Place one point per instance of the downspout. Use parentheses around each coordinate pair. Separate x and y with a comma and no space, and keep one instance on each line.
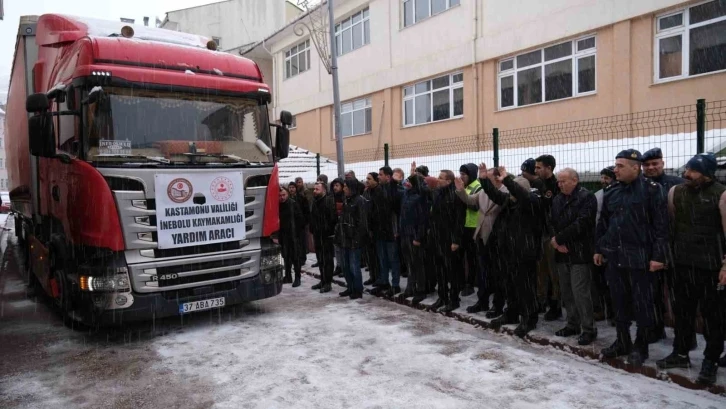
(477,114)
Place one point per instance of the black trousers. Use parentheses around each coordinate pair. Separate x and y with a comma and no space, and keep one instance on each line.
(430,266)
(413,256)
(600,291)
(325,253)
(521,289)
(694,287)
(632,294)
(490,279)
(470,254)
(371,258)
(290,261)
(449,274)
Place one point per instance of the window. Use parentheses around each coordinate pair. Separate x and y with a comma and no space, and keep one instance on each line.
(293,125)
(353,32)
(417,10)
(297,59)
(217,40)
(548,74)
(355,117)
(691,41)
(434,100)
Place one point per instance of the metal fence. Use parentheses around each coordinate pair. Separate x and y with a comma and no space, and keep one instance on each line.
(585,145)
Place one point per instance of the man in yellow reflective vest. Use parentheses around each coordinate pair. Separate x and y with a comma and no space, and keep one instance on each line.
(468,174)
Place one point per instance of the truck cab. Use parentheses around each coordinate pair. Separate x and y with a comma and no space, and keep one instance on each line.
(143,170)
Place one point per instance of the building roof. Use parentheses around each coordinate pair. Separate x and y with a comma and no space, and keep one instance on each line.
(218,2)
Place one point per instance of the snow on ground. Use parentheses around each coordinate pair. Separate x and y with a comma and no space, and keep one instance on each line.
(307,350)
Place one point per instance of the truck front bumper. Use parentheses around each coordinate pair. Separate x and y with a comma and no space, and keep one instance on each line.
(147,307)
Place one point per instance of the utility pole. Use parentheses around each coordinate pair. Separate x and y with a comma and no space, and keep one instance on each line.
(336,92)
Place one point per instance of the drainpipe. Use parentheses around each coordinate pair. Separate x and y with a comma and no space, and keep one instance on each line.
(473,65)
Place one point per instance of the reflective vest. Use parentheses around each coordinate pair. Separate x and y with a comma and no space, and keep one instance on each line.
(472,215)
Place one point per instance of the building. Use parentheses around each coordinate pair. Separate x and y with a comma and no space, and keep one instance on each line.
(416,70)
(3,170)
(233,24)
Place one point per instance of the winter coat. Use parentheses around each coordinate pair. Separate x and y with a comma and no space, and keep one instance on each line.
(668,181)
(292,223)
(323,218)
(474,187)
(518,229)
(633,226)
(302,200)
(414,219)
(488,211)
(353,223)
(448,213)
(380,222)
(339,197)
(573,223)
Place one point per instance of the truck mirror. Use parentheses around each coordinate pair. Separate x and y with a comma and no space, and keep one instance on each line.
(282,142)
(37,103)
(41,136)
(286,118)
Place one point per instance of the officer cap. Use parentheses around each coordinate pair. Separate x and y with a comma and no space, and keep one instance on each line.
(528,166)
(654,153)
(632,154)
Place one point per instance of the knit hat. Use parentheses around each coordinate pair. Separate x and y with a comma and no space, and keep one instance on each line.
(704,163)
(609,172)
(528,166)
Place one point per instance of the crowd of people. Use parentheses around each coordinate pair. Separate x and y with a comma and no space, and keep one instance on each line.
(538,243)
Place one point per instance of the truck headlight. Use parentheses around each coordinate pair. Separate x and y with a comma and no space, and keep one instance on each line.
(270,261)
(113,282)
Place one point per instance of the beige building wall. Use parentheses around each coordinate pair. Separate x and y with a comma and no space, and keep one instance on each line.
(625,70)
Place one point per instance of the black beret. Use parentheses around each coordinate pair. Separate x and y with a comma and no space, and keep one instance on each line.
(632,154)
(654,153)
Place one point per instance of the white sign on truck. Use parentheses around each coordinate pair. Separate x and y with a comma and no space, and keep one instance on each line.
(218,217)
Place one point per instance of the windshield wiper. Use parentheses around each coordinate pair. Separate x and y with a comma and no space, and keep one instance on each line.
(156,159)
(220,156)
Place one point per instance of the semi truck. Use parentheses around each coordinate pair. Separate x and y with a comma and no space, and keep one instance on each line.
(143,176)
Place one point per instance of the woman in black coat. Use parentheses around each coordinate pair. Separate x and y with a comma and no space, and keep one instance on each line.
(291,224)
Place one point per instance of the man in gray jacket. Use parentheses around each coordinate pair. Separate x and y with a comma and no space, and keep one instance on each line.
(487,278)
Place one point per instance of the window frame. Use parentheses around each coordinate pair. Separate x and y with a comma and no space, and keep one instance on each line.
(682,30)
(288,56)
(575,57)
(218,41)
(293,124)
(430,13)
(452,87)
(368,104)
(365,17)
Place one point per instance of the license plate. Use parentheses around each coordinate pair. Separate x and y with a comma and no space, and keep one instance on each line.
(201,305)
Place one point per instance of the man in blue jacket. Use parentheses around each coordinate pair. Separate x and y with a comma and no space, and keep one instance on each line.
(412,226)
(632,235)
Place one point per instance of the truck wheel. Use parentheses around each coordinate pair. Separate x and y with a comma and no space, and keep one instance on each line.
(63,302)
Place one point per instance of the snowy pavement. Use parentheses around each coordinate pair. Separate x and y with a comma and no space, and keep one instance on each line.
(300,349)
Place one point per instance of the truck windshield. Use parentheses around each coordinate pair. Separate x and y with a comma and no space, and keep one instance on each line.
(132,126)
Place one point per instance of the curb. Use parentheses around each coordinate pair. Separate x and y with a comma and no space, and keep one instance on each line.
(583,352)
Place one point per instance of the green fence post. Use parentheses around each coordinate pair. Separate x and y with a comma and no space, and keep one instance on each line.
(495,143)
(317,163)
(386,154)
(700,126)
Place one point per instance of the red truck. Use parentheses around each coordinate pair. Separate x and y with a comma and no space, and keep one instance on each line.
(142,172)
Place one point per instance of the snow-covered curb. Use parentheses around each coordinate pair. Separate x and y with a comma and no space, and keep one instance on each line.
(587,352)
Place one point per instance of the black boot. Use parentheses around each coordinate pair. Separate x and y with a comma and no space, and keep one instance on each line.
(524,327)
(417,299)
(391,292)
(478,307)
(316,264)
(555,311)
(453,305)
(317,286)
(622,346)
(370,281)
(674,360)
(380,290)
(438,304)
(345,293)
(640,348)
(326,288)
(504,319)
(493,313)
(287,279)
(709,372)
(296,283)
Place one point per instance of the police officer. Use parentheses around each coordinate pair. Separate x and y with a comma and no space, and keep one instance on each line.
(653,169)
(632,234)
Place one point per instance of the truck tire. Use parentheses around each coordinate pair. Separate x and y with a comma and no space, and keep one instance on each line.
(64,302)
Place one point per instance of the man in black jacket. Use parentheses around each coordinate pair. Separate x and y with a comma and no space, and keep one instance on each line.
(518,229)
(573,224)
(322,225)
(549,283)
(446,229)
(632,235)
(353,232)
(386,246)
